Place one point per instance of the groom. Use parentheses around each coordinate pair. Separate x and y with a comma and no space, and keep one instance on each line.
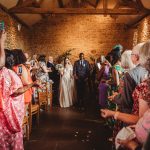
(81,73)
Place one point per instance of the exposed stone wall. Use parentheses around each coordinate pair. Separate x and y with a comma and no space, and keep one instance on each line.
(15,38)
(142,33)
(92,34)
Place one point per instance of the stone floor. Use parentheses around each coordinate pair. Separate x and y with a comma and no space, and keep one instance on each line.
(69,129)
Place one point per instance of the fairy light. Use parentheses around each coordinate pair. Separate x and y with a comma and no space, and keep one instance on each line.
(145,30)
(135,37)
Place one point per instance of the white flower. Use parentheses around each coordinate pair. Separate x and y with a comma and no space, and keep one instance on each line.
(59,67)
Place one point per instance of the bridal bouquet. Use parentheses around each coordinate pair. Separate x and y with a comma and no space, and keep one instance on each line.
(59,67)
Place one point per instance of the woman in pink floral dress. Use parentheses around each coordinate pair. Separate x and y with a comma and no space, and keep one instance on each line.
(11,108)
(11,102)
(11,111)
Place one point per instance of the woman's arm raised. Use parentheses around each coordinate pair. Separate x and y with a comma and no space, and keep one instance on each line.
(2,53)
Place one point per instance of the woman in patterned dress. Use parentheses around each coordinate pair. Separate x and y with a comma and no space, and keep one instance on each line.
(11,102)
(42,72)
(103,77)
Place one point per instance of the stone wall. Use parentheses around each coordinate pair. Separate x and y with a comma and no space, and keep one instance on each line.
(15,38)
(142,33)
(92,34)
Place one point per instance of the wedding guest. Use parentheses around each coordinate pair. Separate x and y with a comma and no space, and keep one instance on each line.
(103,77)
(27,63)
(98,65)
(23,72)
(11,102)
(54,76)
(131,79)
(117,72)
(27,56)
(142,134)
(114,54)
(34,62)
(141,106)
(50,65)
(92,80)
(81,73)
(34,67)
(42,73)
(125,64)
(141,90)
(126,61)
(141,94)
(113,67)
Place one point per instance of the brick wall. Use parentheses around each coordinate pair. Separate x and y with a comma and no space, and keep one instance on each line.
(91,34)
(142,33)
(15,38)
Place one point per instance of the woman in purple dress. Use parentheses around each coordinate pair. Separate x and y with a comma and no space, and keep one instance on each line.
(103,77)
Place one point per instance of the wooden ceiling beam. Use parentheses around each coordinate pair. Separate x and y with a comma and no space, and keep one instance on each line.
(75,3)
(28,3)
(91,4)
(25,3)
(141,7)
(14,16)
(97,1)
(129,4)
(33,10)
(118,3)
(140,18)
(61,4)
(20,2)
(98,4)
(105,7)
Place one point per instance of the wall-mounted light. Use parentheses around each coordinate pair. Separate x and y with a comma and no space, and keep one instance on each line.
(37,1)
(19,27)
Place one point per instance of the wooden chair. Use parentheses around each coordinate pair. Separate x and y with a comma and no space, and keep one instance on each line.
(26,126)
(50,96)
(42,97)
(34,109)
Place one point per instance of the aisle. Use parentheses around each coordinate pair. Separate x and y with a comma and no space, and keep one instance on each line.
(69,129)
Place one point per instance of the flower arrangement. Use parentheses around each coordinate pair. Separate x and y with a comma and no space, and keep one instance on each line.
(59,67)
(64,55)
(92,58)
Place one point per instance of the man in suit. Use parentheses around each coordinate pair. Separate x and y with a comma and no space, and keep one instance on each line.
(55,78)
(81,73)
(50,64)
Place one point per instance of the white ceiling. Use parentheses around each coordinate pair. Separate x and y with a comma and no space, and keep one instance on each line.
(31,19)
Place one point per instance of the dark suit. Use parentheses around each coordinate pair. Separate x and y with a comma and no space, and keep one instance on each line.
(81,71)
(54,75)
(51,74)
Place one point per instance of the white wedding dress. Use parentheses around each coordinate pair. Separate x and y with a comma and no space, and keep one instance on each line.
(67,88)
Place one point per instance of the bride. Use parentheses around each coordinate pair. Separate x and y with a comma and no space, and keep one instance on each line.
(67,85)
